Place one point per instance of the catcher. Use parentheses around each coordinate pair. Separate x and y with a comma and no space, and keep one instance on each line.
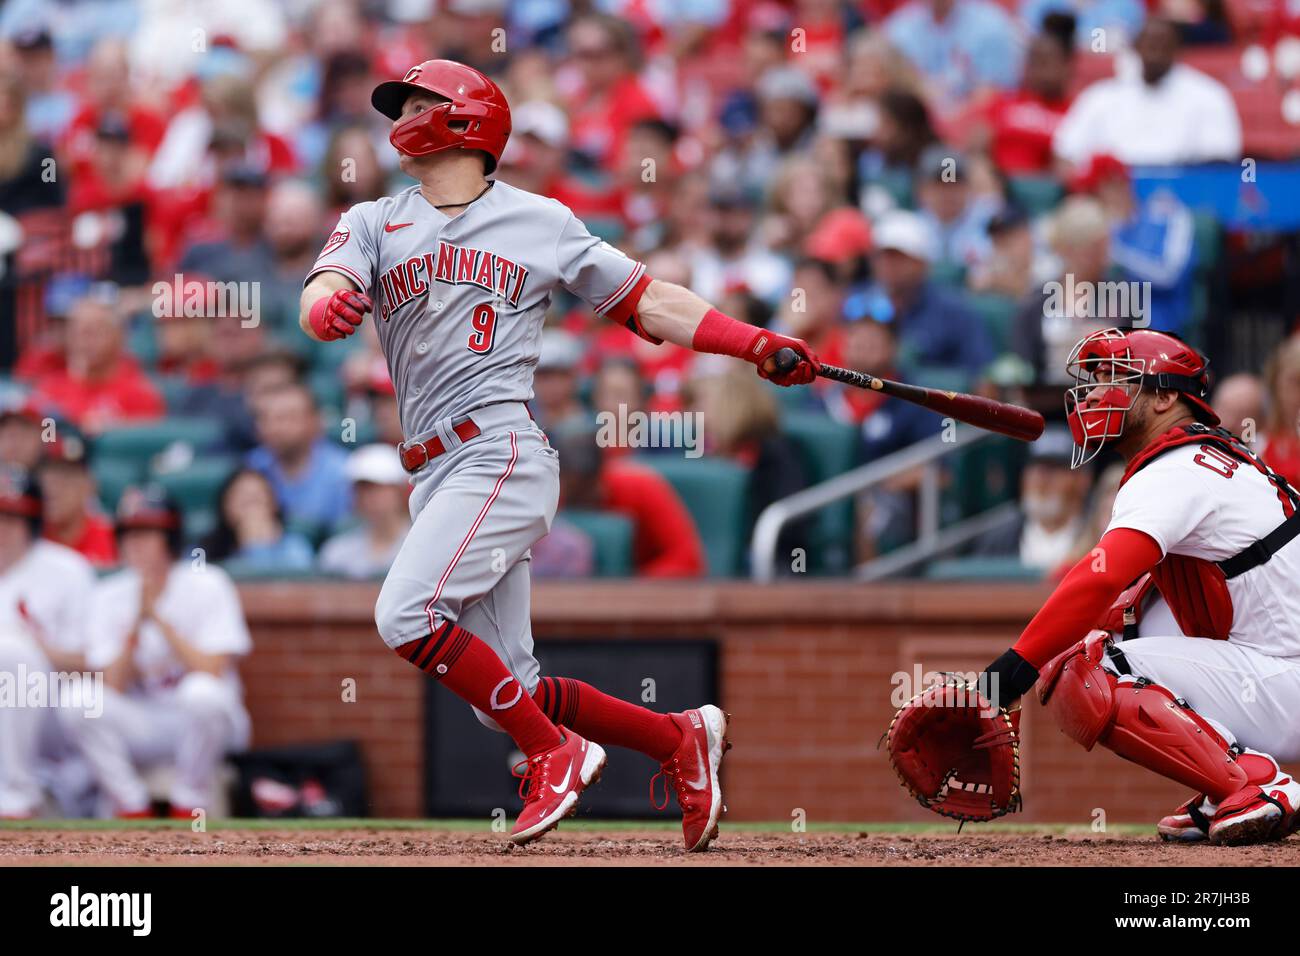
(1193,667)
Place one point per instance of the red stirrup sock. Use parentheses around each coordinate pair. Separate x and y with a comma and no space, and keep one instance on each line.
(472,671)
(605,719)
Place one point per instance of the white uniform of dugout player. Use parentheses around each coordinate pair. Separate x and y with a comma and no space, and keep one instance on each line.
(459,272)
(44,594)
(1204,534)
(166,633)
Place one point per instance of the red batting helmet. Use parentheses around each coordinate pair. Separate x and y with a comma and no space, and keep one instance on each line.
(1112,366)
(475,116)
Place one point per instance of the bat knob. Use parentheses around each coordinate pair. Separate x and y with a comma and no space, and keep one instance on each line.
(785,360)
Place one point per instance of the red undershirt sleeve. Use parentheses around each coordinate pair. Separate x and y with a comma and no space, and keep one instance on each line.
(1086,593)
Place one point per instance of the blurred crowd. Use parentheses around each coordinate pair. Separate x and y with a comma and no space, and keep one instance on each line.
(905,185)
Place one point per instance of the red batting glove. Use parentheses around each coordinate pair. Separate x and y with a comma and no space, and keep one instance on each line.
(723,335)
(337,316)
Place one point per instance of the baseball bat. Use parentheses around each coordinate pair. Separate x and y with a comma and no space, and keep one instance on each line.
(1002,417)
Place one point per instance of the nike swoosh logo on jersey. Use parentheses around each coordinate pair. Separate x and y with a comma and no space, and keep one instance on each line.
(564,784)
(704,771)
(394,226)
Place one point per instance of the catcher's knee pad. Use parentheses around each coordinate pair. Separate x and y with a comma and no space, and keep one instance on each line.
(1140,721)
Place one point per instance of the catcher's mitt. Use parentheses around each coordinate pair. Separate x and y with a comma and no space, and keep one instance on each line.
(956,753)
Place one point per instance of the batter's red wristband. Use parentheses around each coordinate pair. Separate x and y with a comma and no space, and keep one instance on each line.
(316,318)
(723,335)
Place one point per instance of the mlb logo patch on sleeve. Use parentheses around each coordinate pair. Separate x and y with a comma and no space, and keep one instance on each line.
(338,238)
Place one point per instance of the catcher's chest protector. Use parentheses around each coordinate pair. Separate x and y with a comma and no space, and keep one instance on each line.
(1195,589)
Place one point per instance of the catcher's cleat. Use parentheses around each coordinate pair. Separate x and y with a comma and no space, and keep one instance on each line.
(693,773)
(1258,814)
(550,784)
(1190,823)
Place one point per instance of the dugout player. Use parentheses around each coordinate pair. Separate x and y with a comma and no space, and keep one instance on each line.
(458,272)
(44,593)
(166,632)
(1207,690)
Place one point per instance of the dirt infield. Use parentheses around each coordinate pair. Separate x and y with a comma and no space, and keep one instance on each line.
(590,845)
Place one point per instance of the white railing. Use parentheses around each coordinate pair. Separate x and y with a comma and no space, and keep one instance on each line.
(931,540)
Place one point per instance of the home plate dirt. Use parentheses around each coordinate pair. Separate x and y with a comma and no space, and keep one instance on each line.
(738,847)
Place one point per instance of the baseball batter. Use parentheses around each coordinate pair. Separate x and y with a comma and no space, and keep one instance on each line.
(458,272)
(1207,690)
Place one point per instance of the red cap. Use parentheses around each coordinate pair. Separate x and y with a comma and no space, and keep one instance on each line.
(1100,168)
(842,234)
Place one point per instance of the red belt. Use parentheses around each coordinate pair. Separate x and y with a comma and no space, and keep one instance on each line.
(417,454)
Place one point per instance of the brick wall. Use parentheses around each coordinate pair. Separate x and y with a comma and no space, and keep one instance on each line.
(806,670)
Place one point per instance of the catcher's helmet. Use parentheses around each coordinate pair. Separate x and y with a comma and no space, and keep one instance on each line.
(20,497)
(150,508)
(1097,404)
(475,116)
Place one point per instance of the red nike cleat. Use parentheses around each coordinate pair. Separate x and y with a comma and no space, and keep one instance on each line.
(693,773)
(553,781)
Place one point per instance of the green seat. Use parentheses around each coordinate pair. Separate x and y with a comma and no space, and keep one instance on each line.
(141,340)
(327,385)
(982,568)
(942,377)
(142,442)
(997,313)
(113,476)
(949,274)
(986,475)
(172,388)
(240,571)
(716,493)
(611,537)
(829,448)
(1035,194)
(1208,242)
(195,488)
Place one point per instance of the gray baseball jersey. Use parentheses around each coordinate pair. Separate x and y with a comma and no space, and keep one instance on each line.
(460,301)
(459,304)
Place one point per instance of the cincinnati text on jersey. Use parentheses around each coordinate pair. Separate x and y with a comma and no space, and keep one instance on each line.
(454,265)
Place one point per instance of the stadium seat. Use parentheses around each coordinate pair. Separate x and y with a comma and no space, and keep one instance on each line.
(142,442)
(172,388)
(327,385)
(611,538)
(716,492)
(997,313)
(941,376)
(195,488)
(113,476)
(982,568)
(829,448)
(985,475)
(1035,194)
(949,274)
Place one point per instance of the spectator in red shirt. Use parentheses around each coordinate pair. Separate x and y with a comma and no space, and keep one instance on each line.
(665,542)
(70,506)
(1017,126)
(102,385)
(109,95)
(609,98)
